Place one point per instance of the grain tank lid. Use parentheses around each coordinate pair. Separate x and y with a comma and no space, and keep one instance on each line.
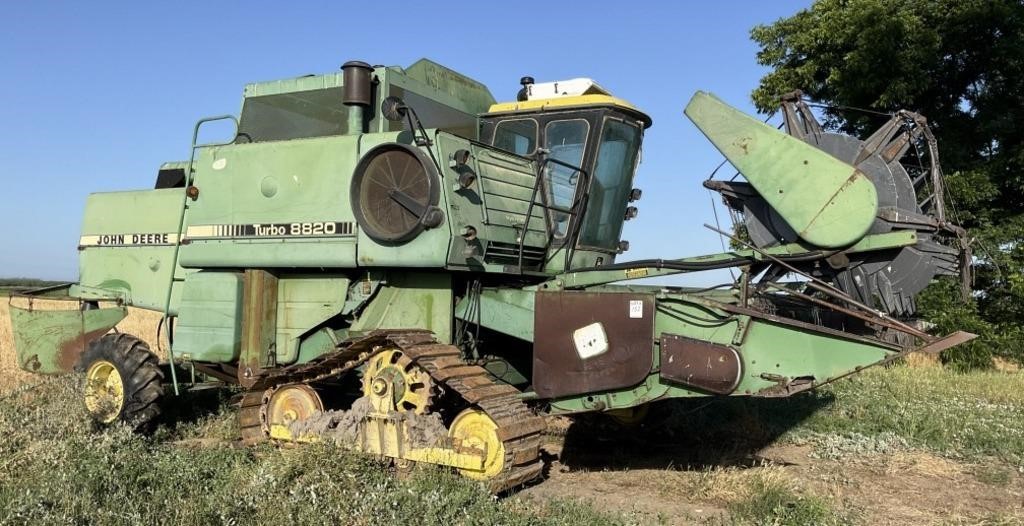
(292,85)
(448,86)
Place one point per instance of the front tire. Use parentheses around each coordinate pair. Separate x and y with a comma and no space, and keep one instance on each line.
(123,382)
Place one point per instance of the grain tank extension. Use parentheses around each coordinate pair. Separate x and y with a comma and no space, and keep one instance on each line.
(393,247)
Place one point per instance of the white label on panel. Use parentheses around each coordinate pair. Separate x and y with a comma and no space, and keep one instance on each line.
(590,340)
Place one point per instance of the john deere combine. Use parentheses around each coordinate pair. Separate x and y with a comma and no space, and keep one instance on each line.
(389,258)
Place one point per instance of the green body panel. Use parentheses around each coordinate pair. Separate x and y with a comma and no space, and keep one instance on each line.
(826,201)
(318,343)
(281,182)
(302,303)
(428,249)
(127,244)
(411,300)
(508,311)
(209,327)
(445,85)
(51,341)
(494,206)
(210,324)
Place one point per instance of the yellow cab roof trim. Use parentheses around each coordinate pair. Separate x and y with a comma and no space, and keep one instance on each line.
(557,103)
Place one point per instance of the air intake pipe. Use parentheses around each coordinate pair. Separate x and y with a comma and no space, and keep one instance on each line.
(357,94)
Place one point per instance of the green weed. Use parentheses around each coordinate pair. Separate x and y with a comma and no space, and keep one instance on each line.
(55,467)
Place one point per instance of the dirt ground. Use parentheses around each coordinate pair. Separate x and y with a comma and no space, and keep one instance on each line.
(911,487)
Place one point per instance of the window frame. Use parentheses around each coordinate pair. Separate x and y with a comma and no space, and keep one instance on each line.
(548,198)
(536,135)
(632,177)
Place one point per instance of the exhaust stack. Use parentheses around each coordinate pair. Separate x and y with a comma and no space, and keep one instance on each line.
(358,93)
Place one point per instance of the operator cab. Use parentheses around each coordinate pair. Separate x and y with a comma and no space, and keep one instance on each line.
(592,142)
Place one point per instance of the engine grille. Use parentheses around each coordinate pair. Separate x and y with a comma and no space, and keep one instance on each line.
(508,254)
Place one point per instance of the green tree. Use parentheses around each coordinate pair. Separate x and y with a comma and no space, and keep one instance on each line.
(961,64)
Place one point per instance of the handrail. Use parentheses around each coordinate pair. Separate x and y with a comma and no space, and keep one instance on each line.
(538,181)
(165,321)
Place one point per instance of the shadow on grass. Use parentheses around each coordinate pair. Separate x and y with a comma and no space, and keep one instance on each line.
(693,434)
(193,406)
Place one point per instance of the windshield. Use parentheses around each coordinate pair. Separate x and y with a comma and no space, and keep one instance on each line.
(612,181)
(566,140)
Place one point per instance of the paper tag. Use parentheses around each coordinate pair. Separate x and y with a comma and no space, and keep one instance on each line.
(636,308)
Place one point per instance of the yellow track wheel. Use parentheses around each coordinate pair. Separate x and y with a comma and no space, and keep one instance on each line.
(476,430)
(104,391)
(391,371)
(289,404)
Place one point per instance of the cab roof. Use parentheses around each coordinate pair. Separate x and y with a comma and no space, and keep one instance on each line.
(565,94)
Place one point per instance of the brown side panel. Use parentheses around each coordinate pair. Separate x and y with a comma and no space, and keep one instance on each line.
(695,363)
(628,323)
(259,325)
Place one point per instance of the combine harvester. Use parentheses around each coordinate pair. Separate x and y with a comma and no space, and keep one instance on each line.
(389,258)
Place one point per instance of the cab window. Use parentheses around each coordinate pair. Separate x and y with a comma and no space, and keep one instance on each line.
(612,181)
(518,136)
(566,140)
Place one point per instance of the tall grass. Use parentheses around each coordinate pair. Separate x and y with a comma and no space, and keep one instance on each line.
(55,468)
(959,414)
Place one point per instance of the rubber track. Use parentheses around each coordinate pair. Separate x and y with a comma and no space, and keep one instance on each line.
(249,417)
(518,428)
(251,411)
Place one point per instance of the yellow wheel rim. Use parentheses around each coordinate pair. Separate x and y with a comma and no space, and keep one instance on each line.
(291,403)
(411,386)
(477,431)
(104,391)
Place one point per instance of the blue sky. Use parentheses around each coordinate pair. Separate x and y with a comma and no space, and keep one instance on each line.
(95,95)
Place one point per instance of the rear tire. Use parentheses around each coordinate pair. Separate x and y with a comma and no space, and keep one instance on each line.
(123,382)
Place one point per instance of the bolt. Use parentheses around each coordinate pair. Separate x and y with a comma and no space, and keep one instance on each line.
(379,386)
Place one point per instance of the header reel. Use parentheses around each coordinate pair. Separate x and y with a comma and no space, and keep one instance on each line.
(901,160)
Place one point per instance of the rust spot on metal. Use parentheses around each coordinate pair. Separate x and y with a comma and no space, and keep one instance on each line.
(259,326)
(787,387)
(952,340)
(743,143)
(70,352)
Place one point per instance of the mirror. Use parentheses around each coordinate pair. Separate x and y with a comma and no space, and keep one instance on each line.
(393,109)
